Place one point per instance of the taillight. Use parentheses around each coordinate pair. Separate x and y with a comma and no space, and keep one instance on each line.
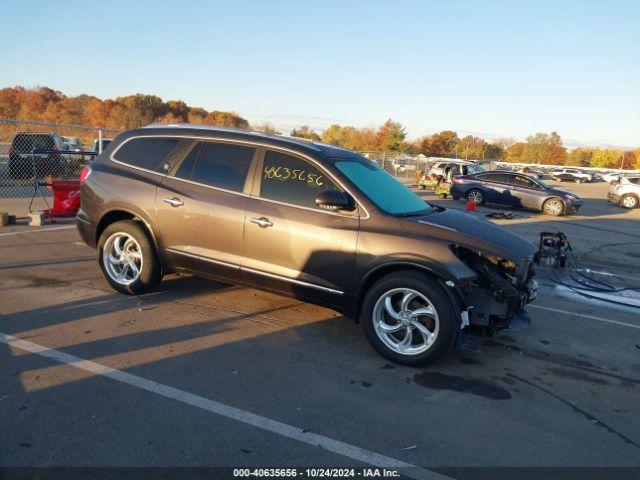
(11,151)
(86,170)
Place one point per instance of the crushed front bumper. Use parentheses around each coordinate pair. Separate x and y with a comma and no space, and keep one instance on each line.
(498,303)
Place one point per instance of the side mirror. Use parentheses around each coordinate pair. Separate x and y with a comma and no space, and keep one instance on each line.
(334,200)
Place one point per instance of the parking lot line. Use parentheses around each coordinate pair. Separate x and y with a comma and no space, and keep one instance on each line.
(336,446)
(40,230)
(584,315)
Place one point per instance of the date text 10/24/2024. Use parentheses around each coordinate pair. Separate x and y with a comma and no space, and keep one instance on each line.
(315,473)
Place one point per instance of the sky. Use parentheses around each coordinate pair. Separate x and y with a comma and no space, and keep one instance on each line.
(489,68)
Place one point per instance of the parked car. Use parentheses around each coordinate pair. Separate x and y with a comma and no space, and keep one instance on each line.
(313,221)
(25,163)
(610,176)
(534,172)
(625,192)
(75,144)
(438,168)
(105,144)
(514,190)
(571,175)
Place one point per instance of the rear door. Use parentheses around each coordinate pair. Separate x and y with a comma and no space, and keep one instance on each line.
(291,245)
(496,186)
(201,208)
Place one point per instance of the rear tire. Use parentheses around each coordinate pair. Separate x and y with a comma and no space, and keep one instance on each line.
(476,196)
(128,259)
(404,302)
(629,201)
(553,206)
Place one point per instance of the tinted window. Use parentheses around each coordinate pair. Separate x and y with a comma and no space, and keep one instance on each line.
(495,177)
(520,181)
(634,180)
(146,152)
(26,143)
(224,166)
(185,170)
(289,179)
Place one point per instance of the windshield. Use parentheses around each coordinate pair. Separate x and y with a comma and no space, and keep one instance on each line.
(540,182)
(382,189)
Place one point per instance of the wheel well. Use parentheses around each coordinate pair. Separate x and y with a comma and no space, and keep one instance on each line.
(383,271)
(111,217)
(631,194)
(564,204)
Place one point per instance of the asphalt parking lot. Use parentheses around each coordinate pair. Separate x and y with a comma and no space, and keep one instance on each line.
(203,374)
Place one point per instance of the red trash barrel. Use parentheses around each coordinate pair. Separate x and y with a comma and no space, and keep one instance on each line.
(66,198)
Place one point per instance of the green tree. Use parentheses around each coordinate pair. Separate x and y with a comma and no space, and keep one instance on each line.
(391,136)
(535,148)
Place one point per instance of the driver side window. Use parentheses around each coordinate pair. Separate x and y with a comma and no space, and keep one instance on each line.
(292,180)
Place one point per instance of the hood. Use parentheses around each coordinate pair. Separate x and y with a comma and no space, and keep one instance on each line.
(561,191)
(474,233)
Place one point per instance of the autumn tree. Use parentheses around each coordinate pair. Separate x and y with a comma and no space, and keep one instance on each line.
(228,119)
(441,144)
(515,152)
(604,158)
(305,131)
(471,147)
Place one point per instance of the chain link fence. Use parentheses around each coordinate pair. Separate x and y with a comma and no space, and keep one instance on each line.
(32,152)
(402,165)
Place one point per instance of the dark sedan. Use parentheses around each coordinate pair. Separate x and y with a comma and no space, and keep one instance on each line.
(515,190)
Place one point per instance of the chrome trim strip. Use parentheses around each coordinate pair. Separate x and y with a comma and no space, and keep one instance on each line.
(250,143)
(437,226)
(292,280)
(200,257)
(258,272)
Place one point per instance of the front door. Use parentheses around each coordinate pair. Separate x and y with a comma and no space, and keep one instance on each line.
(291,245)
(201,208)
(527,191)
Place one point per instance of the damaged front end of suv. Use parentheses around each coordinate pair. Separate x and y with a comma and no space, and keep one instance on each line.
(493,268)
(495,299)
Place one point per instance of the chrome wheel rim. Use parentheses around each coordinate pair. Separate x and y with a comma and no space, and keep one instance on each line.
(122,258)
(629,202)
(406,321)
(475,196)
(554,207)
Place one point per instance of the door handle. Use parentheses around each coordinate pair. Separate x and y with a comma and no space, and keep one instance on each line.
(174,202)
(262,222)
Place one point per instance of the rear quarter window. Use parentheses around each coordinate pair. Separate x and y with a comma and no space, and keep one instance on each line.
(145,152)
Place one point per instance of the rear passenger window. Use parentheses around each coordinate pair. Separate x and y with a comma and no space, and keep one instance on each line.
(495,177)
(289,179)
(146,152)
(222,165)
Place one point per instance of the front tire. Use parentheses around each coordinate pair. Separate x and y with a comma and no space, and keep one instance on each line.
(553,206)
(409,319)
(629,201)
(128,259)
